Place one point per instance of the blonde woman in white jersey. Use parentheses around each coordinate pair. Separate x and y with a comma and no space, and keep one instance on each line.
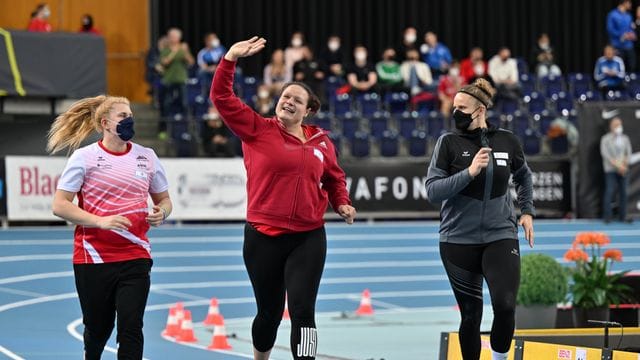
(112,256)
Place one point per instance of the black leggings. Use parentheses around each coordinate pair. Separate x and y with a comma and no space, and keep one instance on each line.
(499,264)
(108,289)
(291,263)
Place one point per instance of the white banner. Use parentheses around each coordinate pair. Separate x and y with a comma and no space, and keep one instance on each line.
(200,189)
(31,183)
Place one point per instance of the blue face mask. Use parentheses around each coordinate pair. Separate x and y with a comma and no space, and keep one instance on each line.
(125,129)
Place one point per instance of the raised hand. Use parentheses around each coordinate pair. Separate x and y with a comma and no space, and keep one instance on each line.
(479,162)
(245,48)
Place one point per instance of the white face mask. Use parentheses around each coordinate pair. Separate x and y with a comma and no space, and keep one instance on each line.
(263,94)
(618,130)
(333,45)
(46,12)
(478,69)
(215,42)
(454,72)
(296,42)
(360,56)
(410,38)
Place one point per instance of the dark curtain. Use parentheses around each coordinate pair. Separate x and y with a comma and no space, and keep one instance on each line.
(576,27)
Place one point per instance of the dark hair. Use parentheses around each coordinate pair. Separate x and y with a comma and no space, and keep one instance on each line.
(313,103)
(481,90)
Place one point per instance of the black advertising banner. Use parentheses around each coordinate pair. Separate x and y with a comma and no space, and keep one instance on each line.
(395,188)
(593,124)
(3,189)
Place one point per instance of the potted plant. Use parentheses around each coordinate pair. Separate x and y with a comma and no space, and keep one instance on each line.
(594,287)
(543,284)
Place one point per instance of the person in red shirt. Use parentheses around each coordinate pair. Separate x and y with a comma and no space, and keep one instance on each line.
(39,22)
(112,178)
(474,66)
(292,174)
(88,26)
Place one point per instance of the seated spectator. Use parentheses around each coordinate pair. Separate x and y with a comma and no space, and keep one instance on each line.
(503,69)
(609,71)
(409,37)
(208,59)
(39,19)
(388,71)
(275,73)
(309,71)
(542,59)
(332,57)
(435,54)
(87,25)
(294,52)
(217,139)
(474,66)
(448,88)
(264,102)
(415,74)
(361,75)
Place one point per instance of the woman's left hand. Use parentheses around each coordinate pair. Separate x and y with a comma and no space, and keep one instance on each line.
(526,221)
(347,212)
(156,218)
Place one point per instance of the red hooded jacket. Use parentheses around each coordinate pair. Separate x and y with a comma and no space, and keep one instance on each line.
(289,182)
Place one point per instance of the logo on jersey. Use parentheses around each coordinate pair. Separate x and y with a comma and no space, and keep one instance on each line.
(142,158)
(466,154)
(141,174)
(101,163)
(308,342)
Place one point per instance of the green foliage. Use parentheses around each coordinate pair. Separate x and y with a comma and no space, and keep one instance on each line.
(593,287)
(542,281)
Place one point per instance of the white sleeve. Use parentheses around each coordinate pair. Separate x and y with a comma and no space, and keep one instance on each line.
(159,181)
(72,176)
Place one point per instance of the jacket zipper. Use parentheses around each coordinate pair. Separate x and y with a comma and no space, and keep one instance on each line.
(488,179)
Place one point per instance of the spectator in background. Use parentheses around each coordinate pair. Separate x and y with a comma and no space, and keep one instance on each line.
(361,75)
(388,71)
(208,59)
(448,87)
(415,74)
(622,36)
(542,59)
(435,54)
(474,66)
(409,37)
(615,149)
(609,71)
(87,25)
(39,19)
(503,69)
(264,101)
(175,59)
(276,73)
(294,52)
(154,71)
(332,57)
(309,71)
(217,139)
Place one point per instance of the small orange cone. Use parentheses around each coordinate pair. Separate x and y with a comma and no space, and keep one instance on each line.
(186,329)
(213,316)
(285,314)
(365,307)
(173,326)
(219,340)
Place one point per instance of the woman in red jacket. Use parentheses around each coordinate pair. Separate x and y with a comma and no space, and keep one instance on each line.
(292,173)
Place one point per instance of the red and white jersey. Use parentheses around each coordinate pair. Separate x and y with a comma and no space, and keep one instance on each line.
(109,183)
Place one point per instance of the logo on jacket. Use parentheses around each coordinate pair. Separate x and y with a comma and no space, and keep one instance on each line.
(515,252)
(323,144)
(466,154)
(318,154)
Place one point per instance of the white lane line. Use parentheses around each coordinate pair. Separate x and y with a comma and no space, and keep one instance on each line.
(38,300)
(203,347)
(21,292)
(11,355)
(31,277)
(72,329)
(180,295)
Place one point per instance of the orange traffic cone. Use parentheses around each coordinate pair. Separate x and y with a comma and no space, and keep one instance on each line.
(219,340)
(173,326)
(285,314)
(365,307)
(213,316)
(186,329)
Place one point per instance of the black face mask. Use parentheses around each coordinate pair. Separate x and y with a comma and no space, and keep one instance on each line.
(125,129)
(462,119)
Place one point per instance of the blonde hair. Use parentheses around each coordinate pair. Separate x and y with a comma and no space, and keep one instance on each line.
(481,90)
(79,121)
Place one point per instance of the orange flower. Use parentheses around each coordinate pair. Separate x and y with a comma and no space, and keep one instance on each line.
(613,254)
(576,255)
(591,238)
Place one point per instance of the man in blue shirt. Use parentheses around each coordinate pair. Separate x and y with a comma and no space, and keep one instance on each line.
(622,36)
(609,71)
(435,54)
(208,59)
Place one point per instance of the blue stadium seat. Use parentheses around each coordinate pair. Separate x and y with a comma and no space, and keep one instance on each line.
(368,104)
(563,102)
(407,122)
(389,144)
(378,124)
(536,103)
(590,96)
(520,124)
(349,123)
(194,89)
(418,143)
(531,142)
(435,124)
(523,67)
(331,84)
(249,88)
(397,102)
(341,104)
(508,106)
(360,144)
(616,95)
(551,85)
(634,91)
(543,122)
(579,84)
(337,141)
(527,84)
(559,145)
(322,120)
